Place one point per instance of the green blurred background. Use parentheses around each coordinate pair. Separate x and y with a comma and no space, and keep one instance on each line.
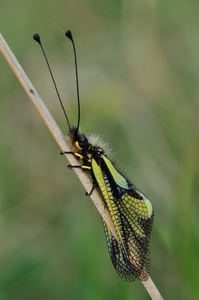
(139,84)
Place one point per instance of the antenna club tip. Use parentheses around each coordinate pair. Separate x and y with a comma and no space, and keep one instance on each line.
(36,37)
(68,34)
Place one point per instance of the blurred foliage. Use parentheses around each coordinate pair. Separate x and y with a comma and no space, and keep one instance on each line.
(139,84)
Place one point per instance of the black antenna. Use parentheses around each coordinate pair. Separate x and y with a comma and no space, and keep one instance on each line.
(68,34)
(36,37)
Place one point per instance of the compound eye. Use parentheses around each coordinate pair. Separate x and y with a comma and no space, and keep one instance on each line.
(82,140)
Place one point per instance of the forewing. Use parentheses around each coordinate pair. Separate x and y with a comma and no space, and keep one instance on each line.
(136,219)
(132,216)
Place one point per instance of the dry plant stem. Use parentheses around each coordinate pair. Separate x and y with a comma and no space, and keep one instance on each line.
(61,141)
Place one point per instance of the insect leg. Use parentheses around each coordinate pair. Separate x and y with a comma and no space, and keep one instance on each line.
(92,189)
(66,152)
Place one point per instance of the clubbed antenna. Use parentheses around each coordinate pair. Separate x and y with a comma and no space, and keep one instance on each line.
(70,37)
(36,37)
